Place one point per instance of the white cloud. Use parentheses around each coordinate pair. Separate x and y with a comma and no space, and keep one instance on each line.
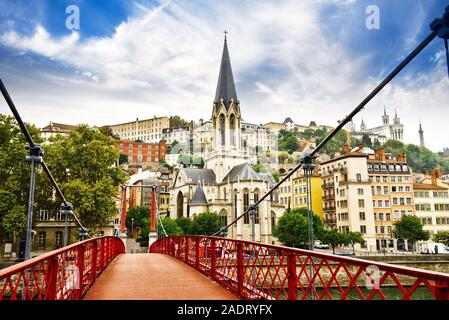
(165,60)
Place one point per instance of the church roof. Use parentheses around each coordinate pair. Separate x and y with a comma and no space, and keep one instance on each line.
(288,120)
(226,86)
(243,172)
(199,198)
(200,175)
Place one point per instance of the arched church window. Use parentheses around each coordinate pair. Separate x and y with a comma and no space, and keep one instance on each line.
(224,217)
(222,129)
(245,205)
(232,131)
(256,198)
(273,220)
(234,204)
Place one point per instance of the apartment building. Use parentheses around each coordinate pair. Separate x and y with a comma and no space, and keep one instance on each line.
(294,193)
(432,203)
(147,130)
(347,198)
(392,192)
(140,153)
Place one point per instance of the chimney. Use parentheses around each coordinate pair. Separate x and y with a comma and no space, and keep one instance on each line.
(346,148)
(380,154)
(401,157)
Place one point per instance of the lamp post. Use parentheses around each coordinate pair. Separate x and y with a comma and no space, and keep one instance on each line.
(132,227)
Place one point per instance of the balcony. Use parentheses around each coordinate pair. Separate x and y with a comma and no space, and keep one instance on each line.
(328,185)
(354,181)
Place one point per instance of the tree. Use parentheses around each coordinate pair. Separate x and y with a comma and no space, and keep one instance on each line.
(170,226)
(139,214)
(178,122)
(206,223)
(15,178)
(123,158)
(288,142)
(354,237)
(367,141)
(333,238)
(83,165)
(410,228)
(293,228)
(185,224)
(282,156)
(443,237)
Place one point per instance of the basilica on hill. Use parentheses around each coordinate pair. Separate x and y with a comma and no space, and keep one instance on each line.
(227,184)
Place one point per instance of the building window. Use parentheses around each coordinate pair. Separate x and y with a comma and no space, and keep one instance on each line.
(360,191)
(58,239)
(362,215)
(363,229)
(359,177)
(256,198)
(41,239)
(361,203)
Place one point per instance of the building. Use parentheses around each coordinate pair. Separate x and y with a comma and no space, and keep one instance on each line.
(227,184)
(421,135)
(171,135)
(141,153)
(387,131)
(53,129)
(147,130)
(288,124)
(347,198)
(392,192)
(432,203)
(293,192)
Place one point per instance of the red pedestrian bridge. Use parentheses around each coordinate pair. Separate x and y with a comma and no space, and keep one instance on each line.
(197,267)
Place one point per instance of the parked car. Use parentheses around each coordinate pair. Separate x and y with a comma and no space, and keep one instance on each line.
(320,245)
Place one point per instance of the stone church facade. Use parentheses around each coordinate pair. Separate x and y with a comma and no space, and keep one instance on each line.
(227,184)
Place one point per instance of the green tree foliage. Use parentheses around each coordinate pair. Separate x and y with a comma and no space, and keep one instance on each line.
(15,177)
(293,228)
(335,143)
(287,141)
(187,160)
(443,237)
(83,165)
(185,224)
(333,238)
(139,214)
(410,228)
(123,158)
(170,226)
(354,237)
(367,141)
(282,156)
(206,223)
(178,122)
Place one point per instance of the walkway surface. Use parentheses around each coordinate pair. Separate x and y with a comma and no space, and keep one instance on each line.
(151,276)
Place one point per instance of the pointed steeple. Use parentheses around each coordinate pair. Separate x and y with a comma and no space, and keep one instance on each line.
(421,135)
(385,110)
(226,86)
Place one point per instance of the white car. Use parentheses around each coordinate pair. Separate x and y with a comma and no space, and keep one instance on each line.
(320,245)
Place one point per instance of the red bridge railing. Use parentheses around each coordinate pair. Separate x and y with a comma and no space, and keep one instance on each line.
(259,271)
(63,274)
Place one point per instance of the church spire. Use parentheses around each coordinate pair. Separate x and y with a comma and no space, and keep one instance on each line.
(421,135)
(226,86)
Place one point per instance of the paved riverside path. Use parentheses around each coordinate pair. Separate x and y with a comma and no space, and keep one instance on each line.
(152,276)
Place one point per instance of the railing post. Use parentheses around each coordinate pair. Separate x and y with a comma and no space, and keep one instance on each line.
(197,253)
(240,273)
(186,250)
(213,260)
(93,267)
(51,279)
(79,291)
(101,255)
(178,240)
(442,289)
(292,276)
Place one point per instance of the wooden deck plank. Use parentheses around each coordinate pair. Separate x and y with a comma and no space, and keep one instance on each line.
(150,276)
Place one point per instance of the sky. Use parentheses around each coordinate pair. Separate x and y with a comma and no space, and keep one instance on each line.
(311,60)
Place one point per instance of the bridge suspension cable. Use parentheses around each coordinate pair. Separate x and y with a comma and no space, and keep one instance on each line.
(308,158)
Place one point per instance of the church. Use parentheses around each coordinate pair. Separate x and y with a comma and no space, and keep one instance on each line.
(227,184)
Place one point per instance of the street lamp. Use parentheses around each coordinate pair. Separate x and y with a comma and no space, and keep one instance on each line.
(132,227)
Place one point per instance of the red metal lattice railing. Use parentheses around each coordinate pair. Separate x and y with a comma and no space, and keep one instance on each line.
(63,274)
(259,271)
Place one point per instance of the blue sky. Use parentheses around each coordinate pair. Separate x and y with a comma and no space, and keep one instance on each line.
(309,60)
